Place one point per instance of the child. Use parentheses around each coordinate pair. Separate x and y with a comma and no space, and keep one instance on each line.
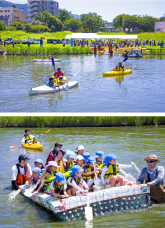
(35,140)
(75,181)
(99,158)
(47,177)
(36,175)
(80,150)
(70,157)
(86,155)
(40,164)
(110,171)
(58,186)
(58,157)
(89,172)
(50,83)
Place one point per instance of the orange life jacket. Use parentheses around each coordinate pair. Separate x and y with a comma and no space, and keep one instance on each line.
(21,179)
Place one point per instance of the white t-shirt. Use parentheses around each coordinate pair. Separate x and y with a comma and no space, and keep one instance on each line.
(51,186)
(14,172)
(105,169)
(23,139)
(73,183)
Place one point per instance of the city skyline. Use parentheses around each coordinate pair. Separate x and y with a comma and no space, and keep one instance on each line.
(150,8)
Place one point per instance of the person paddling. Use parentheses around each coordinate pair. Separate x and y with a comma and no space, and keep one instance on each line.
(27,138)
(152,176)
(50,83)
(58,72)
(119,67)
(21,173)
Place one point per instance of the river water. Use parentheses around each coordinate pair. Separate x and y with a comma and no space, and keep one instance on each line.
(127,143)
(141,91)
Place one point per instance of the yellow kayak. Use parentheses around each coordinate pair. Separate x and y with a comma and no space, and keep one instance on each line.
(114,73)
(36,146)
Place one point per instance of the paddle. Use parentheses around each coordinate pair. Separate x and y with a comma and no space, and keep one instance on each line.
(123,61)
(16,147)
(53,63)
(88,210)
(136,167)
(128,176)
(96,180)
(14,193)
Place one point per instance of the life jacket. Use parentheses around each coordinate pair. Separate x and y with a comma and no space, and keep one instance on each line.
(48,180)
(62,169)
(121,68)
(58,188)
(34,181)
(100,165)
(89,169)
(125,54)
(21,179)
(76,180)
(113,171)
(58,73)
(28,138)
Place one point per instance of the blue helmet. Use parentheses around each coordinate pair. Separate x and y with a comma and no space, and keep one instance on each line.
(60,177)
(91,159)
(76,168)
(86,155)
(37,169)
(120,63)
(71,154)
(99,154)
(109,158)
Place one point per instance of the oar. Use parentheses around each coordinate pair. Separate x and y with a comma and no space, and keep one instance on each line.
(14,193)
(88,210)
(53,63)
(16,147)
(136,167)
(128,176)
(96,180)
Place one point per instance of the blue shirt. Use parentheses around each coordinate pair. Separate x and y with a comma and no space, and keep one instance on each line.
(49,84)
(157,178)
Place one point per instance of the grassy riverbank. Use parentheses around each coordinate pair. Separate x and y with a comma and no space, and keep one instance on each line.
(50,49)
(93,121)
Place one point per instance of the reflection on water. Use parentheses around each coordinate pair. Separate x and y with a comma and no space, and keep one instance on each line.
(136,92)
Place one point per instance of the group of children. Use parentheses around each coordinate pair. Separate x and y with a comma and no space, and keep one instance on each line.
(57,78)
(76,174)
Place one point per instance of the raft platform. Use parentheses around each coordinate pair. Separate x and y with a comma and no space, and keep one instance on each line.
(103,202)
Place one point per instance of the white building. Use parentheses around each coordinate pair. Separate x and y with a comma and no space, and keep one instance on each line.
(76,16)
(159,27)
(35,7)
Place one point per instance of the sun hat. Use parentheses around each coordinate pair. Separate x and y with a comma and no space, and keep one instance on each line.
(76,169)
(99,154)
(152,157)
(34,137)
(91,160)
(39,160)
(52,163)
(60,177)
(79,157)
(86,155)
(71,154)
(80,147)
(109,158)
(37,169)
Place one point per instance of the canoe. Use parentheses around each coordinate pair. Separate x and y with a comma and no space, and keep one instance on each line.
(105,201)
(46,60)
(36,146)
(115,73)
(46,89)
(135,56)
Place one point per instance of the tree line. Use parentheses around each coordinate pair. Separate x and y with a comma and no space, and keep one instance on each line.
(46,22)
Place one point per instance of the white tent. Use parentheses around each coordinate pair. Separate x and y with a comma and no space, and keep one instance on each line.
(95,36)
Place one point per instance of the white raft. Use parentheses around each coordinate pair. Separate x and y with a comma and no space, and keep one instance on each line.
(46,89)
(103,202)
(46,60)
(135,56)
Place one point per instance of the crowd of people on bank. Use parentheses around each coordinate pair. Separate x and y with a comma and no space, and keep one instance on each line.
(64,177)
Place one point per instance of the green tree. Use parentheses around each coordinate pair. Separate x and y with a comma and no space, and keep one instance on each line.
(36,22)
(91,21)
(118,21)
(72,24)
(147,23)
(129,22)
(27,28)
(48,20)
(162,18)
(17,25)
(2,25)
(63,15)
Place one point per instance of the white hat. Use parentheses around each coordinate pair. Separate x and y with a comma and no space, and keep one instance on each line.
(80,147)
(79,157)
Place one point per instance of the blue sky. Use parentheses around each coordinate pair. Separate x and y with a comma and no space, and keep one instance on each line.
(110,8)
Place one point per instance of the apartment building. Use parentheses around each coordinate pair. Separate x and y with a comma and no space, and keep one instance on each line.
(36,6)
(12,14)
